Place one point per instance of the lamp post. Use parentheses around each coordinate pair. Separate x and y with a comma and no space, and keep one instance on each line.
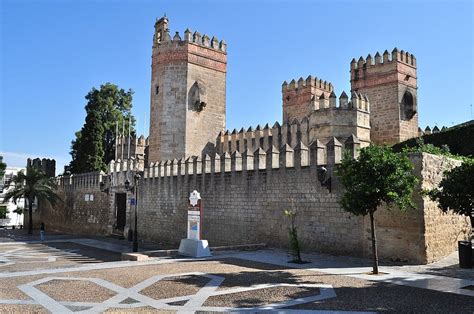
(135,189)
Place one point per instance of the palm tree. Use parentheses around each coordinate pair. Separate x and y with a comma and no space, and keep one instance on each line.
(32,185)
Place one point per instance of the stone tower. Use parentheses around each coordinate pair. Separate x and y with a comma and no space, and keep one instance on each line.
(390,82)
(188,90)
(301,97)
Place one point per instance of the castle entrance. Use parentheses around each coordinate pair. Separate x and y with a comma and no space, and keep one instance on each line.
(121,207)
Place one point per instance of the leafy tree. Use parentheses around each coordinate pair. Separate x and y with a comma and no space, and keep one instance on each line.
(93,147)
(456,191)
(377,177)
(32,185)
(19,210)
(3,166)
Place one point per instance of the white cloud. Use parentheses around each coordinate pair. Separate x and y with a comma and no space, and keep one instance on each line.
(13,159)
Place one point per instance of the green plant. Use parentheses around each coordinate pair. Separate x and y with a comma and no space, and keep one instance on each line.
(421,147)
(32,185)
(379,176)
(94,145)
(19,210)
(293,236)
(3,166)
(456,191)
(458,139)
(3,211)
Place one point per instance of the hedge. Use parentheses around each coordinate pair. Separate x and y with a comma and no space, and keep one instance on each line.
(460,140)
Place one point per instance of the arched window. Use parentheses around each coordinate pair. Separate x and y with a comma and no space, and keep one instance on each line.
(407,106)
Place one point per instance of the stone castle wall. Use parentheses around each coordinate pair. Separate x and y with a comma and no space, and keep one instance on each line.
(425,234)
(83,208)
(244,197)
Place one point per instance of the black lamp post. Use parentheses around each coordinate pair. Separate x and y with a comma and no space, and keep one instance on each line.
(134,188)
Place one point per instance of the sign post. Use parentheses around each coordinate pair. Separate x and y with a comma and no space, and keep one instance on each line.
(193,245)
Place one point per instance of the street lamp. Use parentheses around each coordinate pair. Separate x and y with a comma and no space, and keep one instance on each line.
(136,178)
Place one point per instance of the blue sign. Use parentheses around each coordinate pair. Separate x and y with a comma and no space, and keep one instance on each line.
(132,201)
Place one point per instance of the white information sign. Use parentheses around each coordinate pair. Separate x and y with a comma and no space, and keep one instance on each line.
(194,225)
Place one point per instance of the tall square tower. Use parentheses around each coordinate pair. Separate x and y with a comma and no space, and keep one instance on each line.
(390,82)
(188,93)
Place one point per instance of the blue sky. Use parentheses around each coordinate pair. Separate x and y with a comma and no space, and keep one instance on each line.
(53,52)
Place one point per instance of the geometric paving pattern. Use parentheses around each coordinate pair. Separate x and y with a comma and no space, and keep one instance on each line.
(39,255)
(128,298)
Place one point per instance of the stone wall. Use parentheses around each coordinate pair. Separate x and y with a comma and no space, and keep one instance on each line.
(83,208)
(244,197)
(425,234)
(246,206)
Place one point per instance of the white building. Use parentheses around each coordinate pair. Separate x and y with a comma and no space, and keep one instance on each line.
(8,217)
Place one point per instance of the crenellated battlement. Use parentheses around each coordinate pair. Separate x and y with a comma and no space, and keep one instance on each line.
(382,59)
(299,96)
(162,36)
(329,118)
(82,181)
(194,38)
(302,155)
(358,102)
(310,81)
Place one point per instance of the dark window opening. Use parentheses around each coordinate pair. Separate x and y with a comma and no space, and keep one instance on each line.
(407,106)
(157,90)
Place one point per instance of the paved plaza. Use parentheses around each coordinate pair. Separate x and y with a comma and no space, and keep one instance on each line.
(68,274)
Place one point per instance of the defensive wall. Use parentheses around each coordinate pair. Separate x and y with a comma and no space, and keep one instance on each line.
(244,196)
(83,209)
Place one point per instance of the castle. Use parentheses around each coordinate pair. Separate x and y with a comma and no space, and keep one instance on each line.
(248,177)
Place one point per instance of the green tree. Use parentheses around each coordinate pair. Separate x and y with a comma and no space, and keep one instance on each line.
(378,176)
(456,191)
(3,166)
(30,186)
(93,147)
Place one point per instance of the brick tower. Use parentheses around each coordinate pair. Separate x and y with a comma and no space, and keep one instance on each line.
(390,82)
(187,103)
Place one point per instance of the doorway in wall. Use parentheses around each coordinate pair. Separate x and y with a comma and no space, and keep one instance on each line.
(121,201)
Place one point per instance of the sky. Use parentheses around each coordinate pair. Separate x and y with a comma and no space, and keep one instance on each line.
(52,52)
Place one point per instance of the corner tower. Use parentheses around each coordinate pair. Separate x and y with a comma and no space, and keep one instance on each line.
(188,90)
(390,82)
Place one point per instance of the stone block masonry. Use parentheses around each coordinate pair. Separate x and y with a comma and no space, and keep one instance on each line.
(244,197)
(83,208)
